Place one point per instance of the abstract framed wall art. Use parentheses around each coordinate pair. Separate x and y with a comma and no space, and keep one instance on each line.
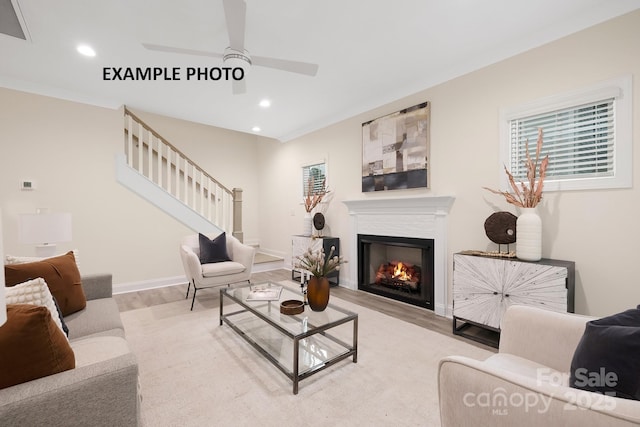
(395,150)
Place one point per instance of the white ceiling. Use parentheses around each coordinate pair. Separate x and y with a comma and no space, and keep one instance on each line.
(370,52)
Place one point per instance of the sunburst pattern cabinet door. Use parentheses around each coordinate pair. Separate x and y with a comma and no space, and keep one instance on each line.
(483,288)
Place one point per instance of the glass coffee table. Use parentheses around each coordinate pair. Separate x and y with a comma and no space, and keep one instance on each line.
(300,345)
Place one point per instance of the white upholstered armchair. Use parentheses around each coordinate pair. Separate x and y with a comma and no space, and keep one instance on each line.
(237,269)
(527,383)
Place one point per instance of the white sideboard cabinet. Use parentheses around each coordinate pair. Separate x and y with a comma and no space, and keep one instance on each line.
(483,288)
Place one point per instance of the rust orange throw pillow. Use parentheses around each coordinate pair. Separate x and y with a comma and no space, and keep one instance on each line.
(62,276)
(33,346)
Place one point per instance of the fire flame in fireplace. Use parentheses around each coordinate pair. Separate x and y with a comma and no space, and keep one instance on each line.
(398,274)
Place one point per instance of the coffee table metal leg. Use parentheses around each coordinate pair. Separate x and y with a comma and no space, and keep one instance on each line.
(221,306)
(296,351)
(355,340)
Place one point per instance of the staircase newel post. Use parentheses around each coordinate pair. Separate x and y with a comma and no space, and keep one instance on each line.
(237,214)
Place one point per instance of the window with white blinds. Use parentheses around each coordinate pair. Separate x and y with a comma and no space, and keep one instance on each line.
(578,140)
(587,135)
(313,178)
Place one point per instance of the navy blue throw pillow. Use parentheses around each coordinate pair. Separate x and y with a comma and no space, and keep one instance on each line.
(213,250)
(65,328)
(606,359)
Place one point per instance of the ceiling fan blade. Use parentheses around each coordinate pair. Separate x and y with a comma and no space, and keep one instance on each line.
(235,12)
(286,65)
(180,50)
(238,87)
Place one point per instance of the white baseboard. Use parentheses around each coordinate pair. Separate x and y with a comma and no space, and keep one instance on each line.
(449,312)
(143,285)
(252,242)
(346,283)
(267,266)
(123,288)
(279,254)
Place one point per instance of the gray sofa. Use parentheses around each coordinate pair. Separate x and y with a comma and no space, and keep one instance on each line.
(103,388)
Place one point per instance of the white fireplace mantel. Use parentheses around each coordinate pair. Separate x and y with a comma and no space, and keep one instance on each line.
(422,217)
(425,204)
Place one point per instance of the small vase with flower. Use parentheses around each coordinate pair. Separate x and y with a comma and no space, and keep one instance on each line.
(319,265)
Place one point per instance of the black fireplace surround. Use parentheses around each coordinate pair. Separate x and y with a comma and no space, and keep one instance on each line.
(368,264)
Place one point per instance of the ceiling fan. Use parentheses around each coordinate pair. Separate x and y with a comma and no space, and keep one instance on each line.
(235,14)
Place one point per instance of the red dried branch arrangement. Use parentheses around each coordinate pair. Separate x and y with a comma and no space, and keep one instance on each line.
(314,196)
(527,195)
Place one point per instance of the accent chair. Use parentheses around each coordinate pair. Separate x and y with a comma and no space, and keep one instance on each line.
(527,382)
(210,274)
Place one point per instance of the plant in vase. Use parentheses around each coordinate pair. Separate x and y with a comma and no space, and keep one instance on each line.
(319,265)
(311,200)
(527,196)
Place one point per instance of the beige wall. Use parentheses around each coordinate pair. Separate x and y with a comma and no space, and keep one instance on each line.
(595,229)
(69,150)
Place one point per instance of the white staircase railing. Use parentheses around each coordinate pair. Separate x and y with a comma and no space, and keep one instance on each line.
(154,157)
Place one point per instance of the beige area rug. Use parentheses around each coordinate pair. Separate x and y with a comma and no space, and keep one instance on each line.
(194,372)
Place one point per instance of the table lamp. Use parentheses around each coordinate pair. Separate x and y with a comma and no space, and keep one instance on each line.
(45,230)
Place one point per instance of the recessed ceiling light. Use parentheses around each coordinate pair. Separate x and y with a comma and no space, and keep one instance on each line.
(265,103)
(256,128)
(86,50)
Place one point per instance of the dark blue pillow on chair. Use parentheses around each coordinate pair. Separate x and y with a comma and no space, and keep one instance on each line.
(213,250)
(607,357)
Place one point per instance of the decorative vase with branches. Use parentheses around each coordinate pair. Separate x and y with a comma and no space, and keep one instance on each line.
(315,194)
(527,196)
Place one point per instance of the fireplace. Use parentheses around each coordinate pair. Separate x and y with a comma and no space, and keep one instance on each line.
(400,268)
(419,217)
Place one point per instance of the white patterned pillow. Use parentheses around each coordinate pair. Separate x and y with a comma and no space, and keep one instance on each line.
(13,259)
(34,292)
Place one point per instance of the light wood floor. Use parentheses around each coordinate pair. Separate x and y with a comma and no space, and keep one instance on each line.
(209,298)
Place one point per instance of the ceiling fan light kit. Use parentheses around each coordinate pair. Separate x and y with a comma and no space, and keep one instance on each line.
(231,54)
